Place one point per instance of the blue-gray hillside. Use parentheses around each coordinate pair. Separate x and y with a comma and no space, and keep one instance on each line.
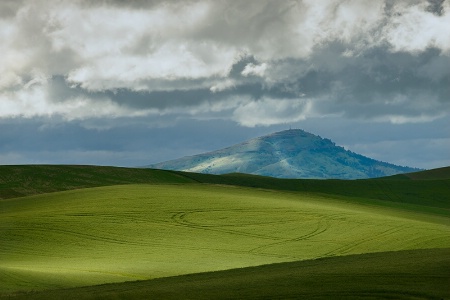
(286,154)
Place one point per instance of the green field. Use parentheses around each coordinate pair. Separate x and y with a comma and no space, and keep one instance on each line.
(415,274)
(83,226)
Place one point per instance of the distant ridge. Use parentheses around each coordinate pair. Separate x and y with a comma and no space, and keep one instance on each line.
(433,174)
(292,153)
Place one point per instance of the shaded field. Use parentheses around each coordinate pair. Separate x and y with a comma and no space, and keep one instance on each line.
(416,274)
(25,180)
(431,189)
(430,193)
(135,232)
(438,173)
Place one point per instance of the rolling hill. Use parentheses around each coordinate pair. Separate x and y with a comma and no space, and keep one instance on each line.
(286,154)
(135,232)
(412,274)
(66,231)
(428,188)
(25,180)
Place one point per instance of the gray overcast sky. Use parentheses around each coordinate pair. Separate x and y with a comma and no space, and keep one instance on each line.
(130,83)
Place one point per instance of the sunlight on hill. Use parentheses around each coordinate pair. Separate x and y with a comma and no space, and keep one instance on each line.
(130,232)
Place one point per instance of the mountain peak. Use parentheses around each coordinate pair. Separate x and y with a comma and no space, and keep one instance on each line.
(292,153)
(290,133)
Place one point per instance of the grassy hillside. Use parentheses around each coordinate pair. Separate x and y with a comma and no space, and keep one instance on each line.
(16,181)
(87,225)
(432,193)
(25,180)
(130,232)
(439,173)
(417,274)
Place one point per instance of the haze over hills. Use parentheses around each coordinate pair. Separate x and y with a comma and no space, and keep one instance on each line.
(291,153)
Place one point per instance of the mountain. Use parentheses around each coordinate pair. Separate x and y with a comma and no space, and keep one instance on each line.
(291,153)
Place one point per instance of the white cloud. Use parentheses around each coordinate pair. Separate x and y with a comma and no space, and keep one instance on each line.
(414,29)
(35,101)
(12,62)
(123,48)
(115,47)
(255,70)
(167,46)
(170,62)
(111,47)
(269,111)
(223,85)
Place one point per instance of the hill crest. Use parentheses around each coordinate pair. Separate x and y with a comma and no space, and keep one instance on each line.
(292,153)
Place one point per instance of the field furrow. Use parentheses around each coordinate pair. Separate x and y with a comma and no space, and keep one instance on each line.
(129,232)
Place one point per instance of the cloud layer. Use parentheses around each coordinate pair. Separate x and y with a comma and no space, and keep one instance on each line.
(254,62)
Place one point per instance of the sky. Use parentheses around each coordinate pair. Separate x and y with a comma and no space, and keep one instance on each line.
(131,83)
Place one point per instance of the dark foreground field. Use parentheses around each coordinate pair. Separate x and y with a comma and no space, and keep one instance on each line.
(87,232)
(416,274)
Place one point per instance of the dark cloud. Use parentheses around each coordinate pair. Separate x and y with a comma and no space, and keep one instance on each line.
(375,84)
(141,71)
(9,8)
(436,7)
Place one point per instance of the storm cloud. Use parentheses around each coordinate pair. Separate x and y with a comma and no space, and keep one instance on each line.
(252,63)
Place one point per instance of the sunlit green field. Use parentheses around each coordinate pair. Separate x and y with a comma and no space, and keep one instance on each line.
(134,232)
(409,274)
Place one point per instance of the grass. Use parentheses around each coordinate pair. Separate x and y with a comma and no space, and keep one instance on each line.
(424,193)
(131,232)
(26,180)
(73,226)
(438,173)
(416,274)
(17,181)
